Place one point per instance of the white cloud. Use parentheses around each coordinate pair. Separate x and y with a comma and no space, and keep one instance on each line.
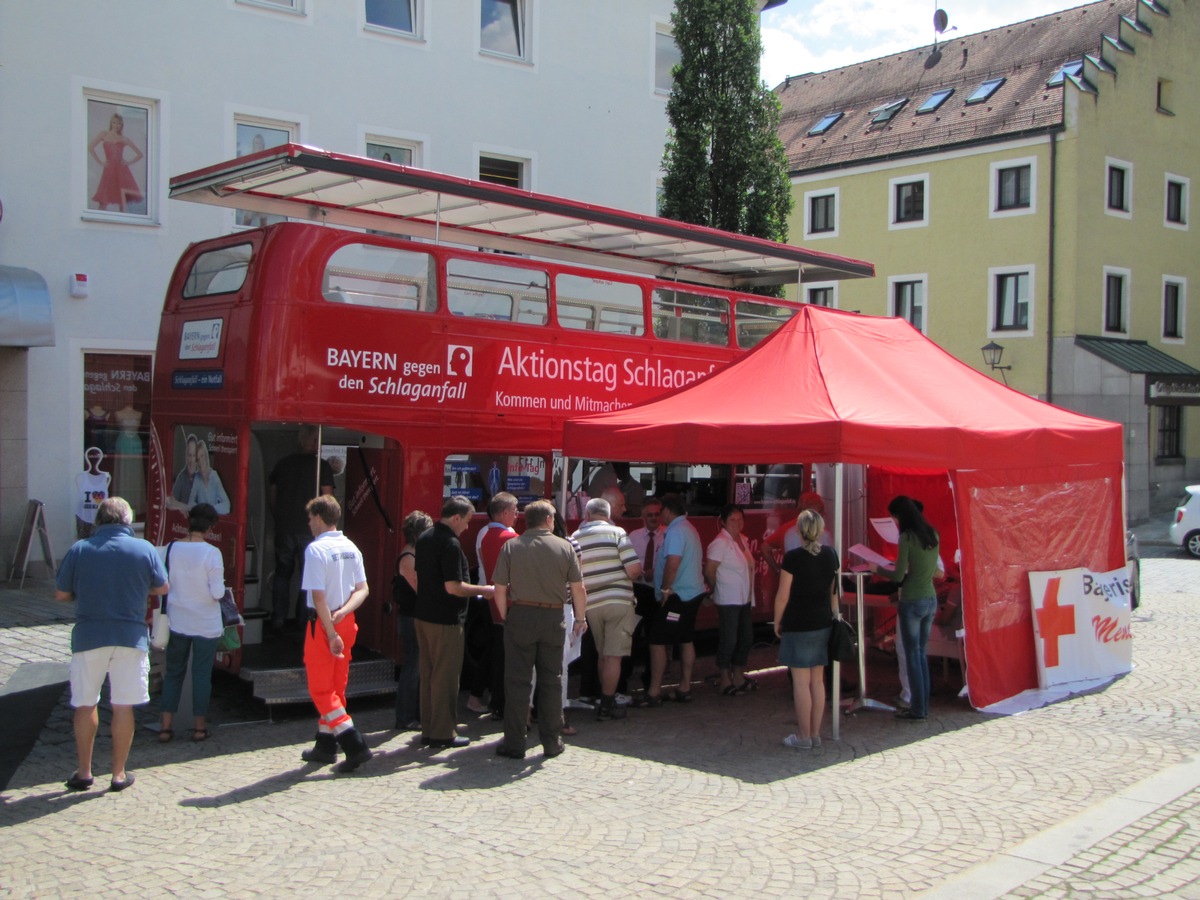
(817,35)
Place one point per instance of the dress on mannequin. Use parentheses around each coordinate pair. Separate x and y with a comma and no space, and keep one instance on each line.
(130,466)
(91,489)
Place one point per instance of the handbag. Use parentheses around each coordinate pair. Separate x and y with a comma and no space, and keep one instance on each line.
(160,625)
(843,642)
(229,610)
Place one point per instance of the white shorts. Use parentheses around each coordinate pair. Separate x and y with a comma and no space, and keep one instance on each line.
(128,671)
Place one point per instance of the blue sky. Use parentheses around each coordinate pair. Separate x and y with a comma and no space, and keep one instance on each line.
(816,35)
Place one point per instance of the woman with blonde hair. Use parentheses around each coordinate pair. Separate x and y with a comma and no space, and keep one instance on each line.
(805,606)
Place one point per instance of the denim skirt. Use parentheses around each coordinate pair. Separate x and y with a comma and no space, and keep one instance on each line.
(804,649)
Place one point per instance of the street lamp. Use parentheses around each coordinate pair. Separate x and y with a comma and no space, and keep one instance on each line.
(992,354)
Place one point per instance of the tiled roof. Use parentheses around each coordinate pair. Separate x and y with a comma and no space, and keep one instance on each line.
(1026,54)
(1136,357)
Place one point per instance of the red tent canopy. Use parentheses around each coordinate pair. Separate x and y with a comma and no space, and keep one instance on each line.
(1036,488)
(832,386)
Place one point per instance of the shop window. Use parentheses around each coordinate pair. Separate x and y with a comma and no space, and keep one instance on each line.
(116,434)
(820,213)
(1170,432)
(908,299)
(1177,190)
(1118,189)
(907,201)
(501,293)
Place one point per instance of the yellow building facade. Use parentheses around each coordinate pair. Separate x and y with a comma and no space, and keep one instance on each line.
(1028,188)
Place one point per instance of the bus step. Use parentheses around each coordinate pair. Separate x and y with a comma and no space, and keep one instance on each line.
(369,678)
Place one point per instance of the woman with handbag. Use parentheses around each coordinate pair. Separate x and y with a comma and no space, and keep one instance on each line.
(805,606)
(197,576)
(404,593)
(916,567)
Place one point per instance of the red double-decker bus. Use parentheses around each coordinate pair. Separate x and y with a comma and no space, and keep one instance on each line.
(439,331)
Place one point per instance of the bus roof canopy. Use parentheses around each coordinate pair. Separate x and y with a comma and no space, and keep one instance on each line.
(315,185)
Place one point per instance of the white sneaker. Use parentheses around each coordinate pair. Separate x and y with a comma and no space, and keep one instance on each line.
(797,743)
(623,699)
(581,703)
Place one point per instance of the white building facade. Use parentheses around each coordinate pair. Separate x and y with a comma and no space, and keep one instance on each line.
(102,102)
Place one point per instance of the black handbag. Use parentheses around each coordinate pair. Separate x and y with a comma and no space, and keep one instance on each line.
(229,610)
(843,642)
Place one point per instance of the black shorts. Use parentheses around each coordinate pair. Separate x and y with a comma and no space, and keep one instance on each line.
(676,621)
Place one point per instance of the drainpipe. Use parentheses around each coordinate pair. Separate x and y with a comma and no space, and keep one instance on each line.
(1050,267)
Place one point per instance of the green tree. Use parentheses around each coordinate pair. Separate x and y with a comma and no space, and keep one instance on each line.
(724,164)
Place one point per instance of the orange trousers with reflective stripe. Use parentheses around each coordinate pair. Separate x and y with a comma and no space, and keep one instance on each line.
(327,675)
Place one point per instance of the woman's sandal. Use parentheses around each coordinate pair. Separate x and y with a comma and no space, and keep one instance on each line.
(731,691)
(682,696)
(748,686)
(75,783)
(165,735)
(200,734)
(647,701)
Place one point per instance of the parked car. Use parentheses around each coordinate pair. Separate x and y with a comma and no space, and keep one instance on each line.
(1185,530)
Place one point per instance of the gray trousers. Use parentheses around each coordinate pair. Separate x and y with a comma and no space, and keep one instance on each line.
(533,639)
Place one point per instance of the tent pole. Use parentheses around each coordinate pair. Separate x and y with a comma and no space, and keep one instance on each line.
(839,491)
(562,490)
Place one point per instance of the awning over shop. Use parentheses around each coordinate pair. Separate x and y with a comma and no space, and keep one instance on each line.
(26,319)
(1135,357)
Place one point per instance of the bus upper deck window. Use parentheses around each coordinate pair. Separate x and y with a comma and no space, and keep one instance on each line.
(378,276)
(502,293)
(695,318)
(596,304)
(218,271)
(756,321)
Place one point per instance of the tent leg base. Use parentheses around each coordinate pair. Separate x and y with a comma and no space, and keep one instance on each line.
(868,703)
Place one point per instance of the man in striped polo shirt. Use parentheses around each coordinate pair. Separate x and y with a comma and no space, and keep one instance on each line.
(610,563)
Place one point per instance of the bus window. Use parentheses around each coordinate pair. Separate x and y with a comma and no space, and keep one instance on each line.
(384,277)
(478,476)
(596,304)
(503,293)
(218,271)
(756,321)
(681,316)
(768,486)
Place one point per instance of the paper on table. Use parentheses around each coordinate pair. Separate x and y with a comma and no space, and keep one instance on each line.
(862,551)
(886,529)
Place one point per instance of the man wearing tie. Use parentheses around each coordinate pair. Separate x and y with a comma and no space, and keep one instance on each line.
(647,541)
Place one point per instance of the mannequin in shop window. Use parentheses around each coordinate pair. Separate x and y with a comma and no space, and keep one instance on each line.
(91,489)
(129,469)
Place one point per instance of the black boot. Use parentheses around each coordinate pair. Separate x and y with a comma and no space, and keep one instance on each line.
(608,709)
(356,750)
(324,751)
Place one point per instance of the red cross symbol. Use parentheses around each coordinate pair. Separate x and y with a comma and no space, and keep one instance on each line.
(1054,621)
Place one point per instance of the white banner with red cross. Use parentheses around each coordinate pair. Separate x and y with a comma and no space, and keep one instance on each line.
(1081,625)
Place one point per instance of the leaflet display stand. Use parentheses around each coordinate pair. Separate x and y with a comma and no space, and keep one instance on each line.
(35,523)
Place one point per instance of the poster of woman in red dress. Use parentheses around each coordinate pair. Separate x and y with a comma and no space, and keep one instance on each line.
(116,161)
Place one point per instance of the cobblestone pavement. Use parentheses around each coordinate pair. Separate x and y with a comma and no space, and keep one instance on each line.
(1096,795)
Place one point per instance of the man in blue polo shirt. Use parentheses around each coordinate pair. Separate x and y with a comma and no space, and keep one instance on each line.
(679,581)
(109,576)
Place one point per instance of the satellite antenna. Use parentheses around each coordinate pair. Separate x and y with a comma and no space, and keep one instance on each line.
(940,23)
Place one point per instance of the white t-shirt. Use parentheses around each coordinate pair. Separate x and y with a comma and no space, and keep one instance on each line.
(332,564)
(197,577)
(735,572)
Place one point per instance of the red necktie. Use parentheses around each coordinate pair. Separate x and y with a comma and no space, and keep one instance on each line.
(649,573)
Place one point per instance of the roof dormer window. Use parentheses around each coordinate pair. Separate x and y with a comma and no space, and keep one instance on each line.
(934,101)
(1073,68)
(881,114)
(985,90)
(825,124)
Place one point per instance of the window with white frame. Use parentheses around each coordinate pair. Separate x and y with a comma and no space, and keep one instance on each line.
(503,28)
(1177,192)
(1116,300)
(399,17)
(252,135)
(666,57)
(820,213)
(1013,187)
(403,153)
(1173,307)
(1118,188)
(294,6)
(1170,433)
(908,202)
(121,158)
(506,170)
(907,299)
(1010,294)
(822,294)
